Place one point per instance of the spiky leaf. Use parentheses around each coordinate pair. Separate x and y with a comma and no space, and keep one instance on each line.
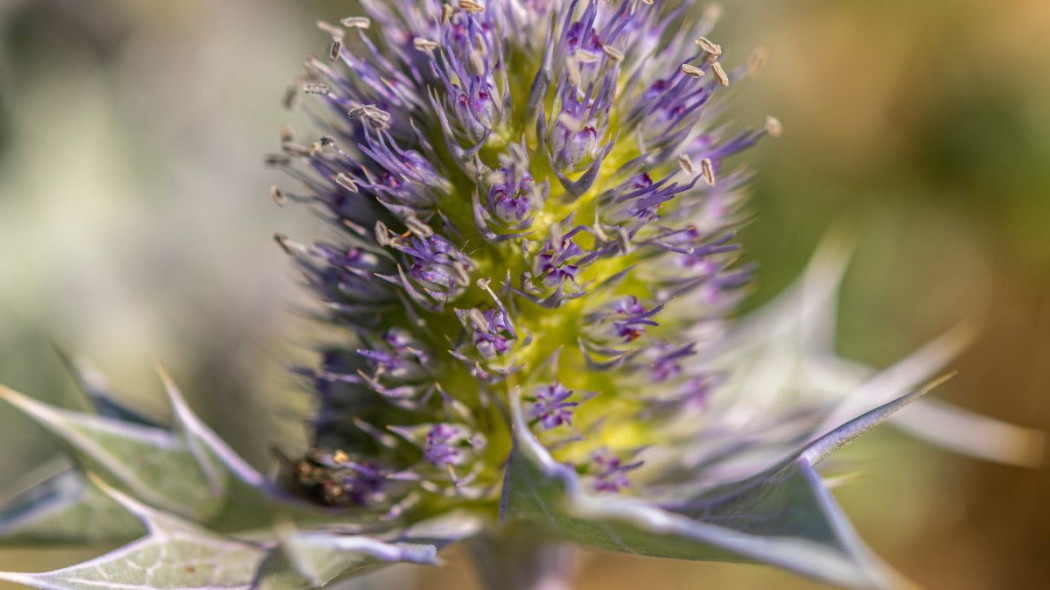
(186,470)
(66,508)
(783,516)
(174,554)
(311,559)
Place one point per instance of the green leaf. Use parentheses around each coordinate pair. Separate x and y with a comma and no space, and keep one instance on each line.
(187,470)
(151,463)
(783,516)
(307,559)
(175,554)
(312,560)
(66,508)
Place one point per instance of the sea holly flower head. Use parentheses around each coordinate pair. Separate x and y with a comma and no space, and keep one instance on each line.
(534,277)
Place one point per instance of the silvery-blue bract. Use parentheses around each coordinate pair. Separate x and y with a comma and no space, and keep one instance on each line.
(535,204)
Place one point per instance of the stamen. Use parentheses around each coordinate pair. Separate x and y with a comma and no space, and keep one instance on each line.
(712,14)
(757,61)
(277,196)
(372,114)
(708,46)
(570,122)
(614,54)
(334,31)
(773,127)
(418,228)
(686,163)
(424,44)
(356,22)
(282,241)
(707,171)
(692,71)
(346,182)
(585,57)
(723,79)
(472,6)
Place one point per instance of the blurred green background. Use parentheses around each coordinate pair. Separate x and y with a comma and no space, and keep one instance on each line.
(135,225)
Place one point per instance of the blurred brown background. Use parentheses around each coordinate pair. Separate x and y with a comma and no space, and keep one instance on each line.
(135,225)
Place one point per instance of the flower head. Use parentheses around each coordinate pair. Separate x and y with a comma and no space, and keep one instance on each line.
(521,196)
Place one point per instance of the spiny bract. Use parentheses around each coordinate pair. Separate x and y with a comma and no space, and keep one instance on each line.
(534,264)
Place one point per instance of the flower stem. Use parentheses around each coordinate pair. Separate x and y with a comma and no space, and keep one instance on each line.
(518,559)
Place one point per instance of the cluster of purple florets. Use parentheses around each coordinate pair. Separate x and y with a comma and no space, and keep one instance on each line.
(514,181)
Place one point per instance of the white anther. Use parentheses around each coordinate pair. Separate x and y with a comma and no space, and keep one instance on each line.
(708,46)
(334,31)
(773,127)
(356,22)
(572,68)
(418,227)
(277,195)
(613,53)
(424,44)
(572,123)
(723,79)
(756,61)
(472,6)
(585,57)
(692,71)
(707,171)
(344,180)
(686,163)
